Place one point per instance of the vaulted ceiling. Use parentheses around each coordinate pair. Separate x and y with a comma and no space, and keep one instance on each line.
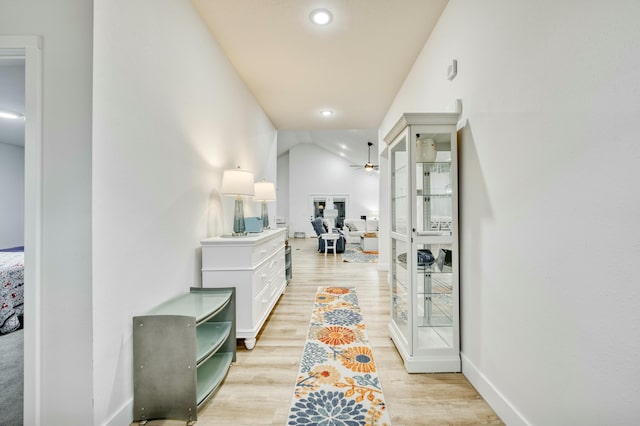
(353,66)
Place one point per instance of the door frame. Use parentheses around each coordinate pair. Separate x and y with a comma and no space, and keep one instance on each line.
(32,46)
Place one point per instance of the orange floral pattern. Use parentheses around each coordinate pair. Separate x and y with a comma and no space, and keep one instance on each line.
(359,359)
(336,335)
(337,290)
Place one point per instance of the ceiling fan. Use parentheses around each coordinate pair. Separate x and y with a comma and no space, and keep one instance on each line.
(368,166)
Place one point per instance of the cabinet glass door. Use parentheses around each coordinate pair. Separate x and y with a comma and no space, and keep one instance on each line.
(423,268)
(434,190)
(399,184)
(434,305)
(434,293)
(400,220)
(400,289)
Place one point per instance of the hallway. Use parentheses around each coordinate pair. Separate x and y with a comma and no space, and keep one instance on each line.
(259,386)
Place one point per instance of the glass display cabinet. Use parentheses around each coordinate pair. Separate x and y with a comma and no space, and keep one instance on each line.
(424,241)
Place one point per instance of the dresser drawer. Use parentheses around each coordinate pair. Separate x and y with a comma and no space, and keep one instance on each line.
(261,303)
(269,293)
(240,252)
(260,279)
(267,272)
(265,249)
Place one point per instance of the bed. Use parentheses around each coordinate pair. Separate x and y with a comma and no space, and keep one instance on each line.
(11,289)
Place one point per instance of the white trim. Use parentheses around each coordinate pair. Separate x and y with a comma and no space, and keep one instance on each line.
(501,405)
(32,46)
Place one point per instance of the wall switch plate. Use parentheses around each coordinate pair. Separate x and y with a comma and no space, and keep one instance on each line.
(452,70)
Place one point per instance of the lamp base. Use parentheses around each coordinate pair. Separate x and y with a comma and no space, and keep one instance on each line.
(265,216)
(238,218)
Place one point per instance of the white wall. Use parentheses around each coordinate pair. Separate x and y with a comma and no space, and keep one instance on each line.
(549,204)
(11,195)
(170,115)
(65,335)
(282,186)
(313,170)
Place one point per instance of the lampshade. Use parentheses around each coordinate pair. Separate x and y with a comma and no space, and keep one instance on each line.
(264,191)
(237,182)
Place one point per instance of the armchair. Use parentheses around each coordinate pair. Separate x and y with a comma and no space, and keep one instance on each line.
(320,229)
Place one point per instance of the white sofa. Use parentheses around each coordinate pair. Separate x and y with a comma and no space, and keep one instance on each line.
(353,229)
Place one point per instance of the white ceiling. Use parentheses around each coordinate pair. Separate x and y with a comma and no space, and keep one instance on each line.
(354,66)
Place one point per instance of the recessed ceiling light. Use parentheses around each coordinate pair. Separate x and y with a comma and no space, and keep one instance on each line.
(326,113)
(321,16)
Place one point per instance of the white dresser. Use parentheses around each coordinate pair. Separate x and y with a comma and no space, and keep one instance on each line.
(255,266)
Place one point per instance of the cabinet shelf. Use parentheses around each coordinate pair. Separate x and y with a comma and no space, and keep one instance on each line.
(182,350)
(199,305)
(435,166)
(445,195)
(436,286)
(209,337)
(436,311)
(434,269)
(210,375)
(443,321)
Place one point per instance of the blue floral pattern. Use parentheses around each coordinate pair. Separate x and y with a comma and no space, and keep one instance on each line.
(342,317)
(328,408)
(337,383)
(314,353)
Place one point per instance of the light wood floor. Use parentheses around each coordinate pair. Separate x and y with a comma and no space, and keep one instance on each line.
(259,386)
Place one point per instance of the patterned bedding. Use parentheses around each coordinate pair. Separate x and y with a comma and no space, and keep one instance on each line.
(11,290)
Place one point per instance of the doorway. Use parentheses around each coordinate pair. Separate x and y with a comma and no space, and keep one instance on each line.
(30,48)
(330,206)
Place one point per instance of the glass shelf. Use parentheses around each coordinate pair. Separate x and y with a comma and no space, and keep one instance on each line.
(210,375)
(435,167)
(434,284)
(200,305)
(432,195)
(209,337)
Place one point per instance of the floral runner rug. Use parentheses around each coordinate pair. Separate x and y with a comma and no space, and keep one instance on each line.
(338,382)
(356,255)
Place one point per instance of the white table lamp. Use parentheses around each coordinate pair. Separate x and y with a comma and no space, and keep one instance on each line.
(236,183)
(265,191)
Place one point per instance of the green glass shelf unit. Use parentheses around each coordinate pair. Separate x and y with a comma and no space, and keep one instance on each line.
(182,351)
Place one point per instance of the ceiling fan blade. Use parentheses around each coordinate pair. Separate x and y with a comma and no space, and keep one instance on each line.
(367,165)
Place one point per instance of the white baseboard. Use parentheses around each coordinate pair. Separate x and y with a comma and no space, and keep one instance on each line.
(503,408)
